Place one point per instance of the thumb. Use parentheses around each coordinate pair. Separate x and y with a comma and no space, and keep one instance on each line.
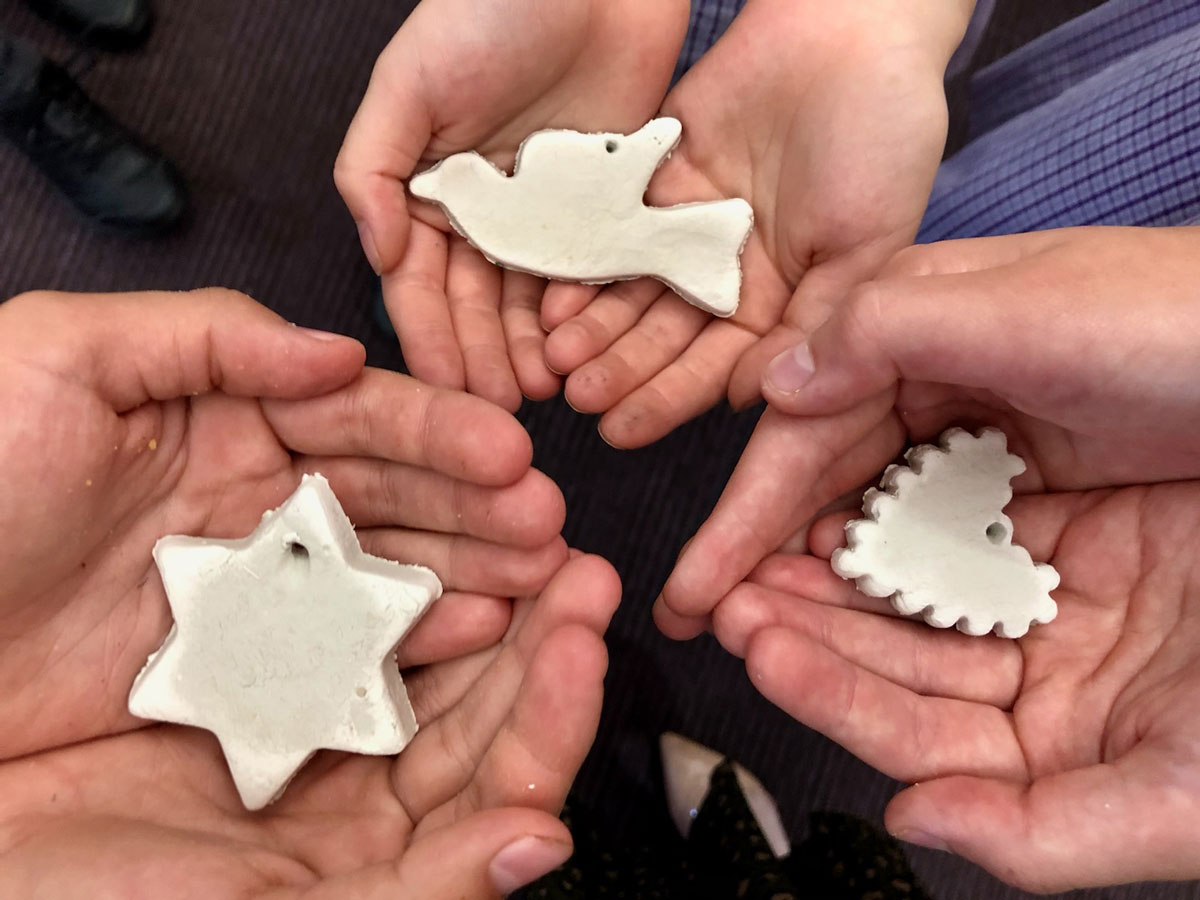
(489,854)
(957,312)
(971,330)
(1095,826)
(745,384)
(383,145)
(137,347)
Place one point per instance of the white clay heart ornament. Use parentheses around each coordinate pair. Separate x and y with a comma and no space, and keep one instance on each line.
(936,541)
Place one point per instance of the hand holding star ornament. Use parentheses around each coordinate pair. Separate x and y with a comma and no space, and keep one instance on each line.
(284,642)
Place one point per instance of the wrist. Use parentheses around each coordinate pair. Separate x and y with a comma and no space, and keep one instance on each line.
(931,28)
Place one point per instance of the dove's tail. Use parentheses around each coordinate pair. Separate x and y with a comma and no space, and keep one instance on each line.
(710,236)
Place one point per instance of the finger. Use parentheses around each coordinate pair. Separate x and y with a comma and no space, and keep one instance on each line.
(473,292)
(469,564)
(564,300)
(456,625)
(691,385)
(528,513)
(1099,825)
(137,347)
(610,315)
(745,384)
(385,141)
(790,470)
(811,577)
(520,299)
(393,417)
(430,213)
(828,533)
(968,254)
(487,855)
(563,686)
(414,292)
(904,735)
(656,341)
(821,289)
(927,661)
(675,626)
(448,751)
(958,329)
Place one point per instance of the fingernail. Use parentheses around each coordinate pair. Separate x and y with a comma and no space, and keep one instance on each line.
(327,336)
(921,839)
(791,370)
(525,861)
(367,239)
(604,437)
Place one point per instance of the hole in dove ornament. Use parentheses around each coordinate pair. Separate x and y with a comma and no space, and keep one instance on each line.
(935,540)
(573,210)
(284,642)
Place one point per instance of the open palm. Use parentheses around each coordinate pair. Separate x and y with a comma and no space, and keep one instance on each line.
(105,450)
(143,415)
(1067,758)
(460,75)
(997,331)
(832,130)
(154,811)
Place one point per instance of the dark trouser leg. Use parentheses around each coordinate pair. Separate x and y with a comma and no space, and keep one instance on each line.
(20,63)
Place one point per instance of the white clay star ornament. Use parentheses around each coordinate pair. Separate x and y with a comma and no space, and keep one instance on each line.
(573,210)
(936,541)
(284,642)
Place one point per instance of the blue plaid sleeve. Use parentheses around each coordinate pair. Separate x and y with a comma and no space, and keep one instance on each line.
(1095,123)
(709,19)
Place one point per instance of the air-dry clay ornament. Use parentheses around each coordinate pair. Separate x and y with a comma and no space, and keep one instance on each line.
(936,541)
(284,642)
(573,210)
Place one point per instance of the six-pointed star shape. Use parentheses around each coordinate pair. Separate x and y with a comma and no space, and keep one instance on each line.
(284,641)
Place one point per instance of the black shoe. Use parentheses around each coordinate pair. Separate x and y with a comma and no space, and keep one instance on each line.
(104,170)
(108,24)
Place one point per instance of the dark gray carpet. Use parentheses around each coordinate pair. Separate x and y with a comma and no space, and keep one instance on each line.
(251,99)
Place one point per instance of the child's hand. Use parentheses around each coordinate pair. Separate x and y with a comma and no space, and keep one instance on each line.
(832,127)
(462,75)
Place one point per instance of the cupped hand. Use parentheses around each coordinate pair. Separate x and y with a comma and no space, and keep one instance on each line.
(830,120)
(467,810)
(1078,344)
(460,75)
(1068,758)
(132,416)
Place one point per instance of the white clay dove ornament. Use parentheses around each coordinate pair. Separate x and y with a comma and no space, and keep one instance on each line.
(284,642)
(573,210)
(935,540)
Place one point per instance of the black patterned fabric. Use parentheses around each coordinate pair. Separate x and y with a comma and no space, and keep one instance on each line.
(726,856)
